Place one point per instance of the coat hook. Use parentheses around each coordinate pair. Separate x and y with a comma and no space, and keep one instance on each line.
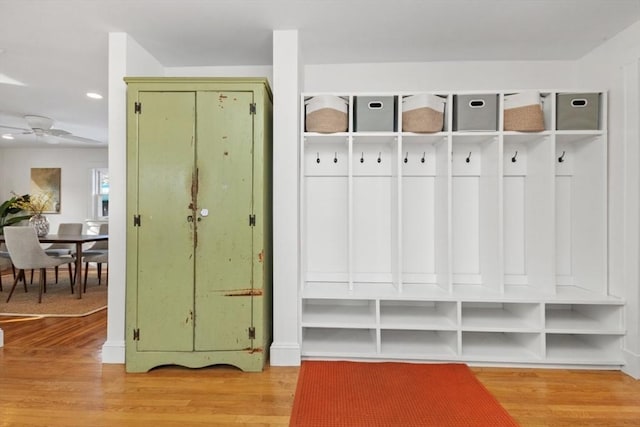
(468,159)
(317,157)
(379,157)
(513,159)
(561,158)
(335,157)
(406,157)
(362,158)
(424,155)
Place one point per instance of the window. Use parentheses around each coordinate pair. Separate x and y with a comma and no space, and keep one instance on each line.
(100,194)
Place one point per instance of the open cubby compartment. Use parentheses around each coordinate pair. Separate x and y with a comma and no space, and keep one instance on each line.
(502,346)
(528,211)
(583,318)
(591,349)
(339,342)
(374,210)
(581,212)
(418,314)
(476,221)
(303,111)
(407,344)
(446,123)
(339,313)
(547,101)
(501,316)
(424,216)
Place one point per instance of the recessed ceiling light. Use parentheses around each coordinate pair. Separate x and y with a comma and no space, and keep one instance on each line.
(94,95)
(7,136)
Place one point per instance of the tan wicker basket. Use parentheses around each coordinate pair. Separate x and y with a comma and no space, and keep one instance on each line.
(327,120)
(423,113)
(326,114)
(523,112)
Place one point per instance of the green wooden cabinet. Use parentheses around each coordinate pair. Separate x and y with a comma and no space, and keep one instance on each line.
(198,222)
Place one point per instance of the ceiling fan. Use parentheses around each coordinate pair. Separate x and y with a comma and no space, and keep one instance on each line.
(42,127)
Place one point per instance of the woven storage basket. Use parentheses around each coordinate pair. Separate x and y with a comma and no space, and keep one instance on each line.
(422,113)
(523,112)
(326,114)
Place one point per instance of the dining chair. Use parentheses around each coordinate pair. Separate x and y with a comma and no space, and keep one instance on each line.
(101,258)
(4,263)
(26,253)
(64,249)
(4,255)
(97,248)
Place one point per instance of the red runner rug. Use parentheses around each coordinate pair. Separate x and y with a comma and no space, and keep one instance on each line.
(352,394)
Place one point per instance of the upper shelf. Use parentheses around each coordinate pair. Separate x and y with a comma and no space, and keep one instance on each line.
(430,117)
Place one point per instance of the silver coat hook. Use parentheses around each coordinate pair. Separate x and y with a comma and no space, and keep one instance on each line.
(513,159)
(468,159)
(561,158)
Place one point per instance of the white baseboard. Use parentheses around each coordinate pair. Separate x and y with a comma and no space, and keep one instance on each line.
(632,364)
(284,354)
(113,352)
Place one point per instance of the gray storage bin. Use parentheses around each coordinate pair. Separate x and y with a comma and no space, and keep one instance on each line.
(475,112)
(375,113)
(577,111)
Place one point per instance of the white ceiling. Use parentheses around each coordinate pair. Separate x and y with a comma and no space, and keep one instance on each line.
(59,48)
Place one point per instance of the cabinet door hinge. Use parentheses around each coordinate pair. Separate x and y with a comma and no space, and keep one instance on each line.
(252,220)
(252,332)
(137,107)
(136,334)
(136,220)
(252,108)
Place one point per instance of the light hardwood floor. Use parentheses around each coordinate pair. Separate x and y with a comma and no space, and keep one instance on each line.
(51,375)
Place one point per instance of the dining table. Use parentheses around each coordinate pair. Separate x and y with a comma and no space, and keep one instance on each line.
(78,240)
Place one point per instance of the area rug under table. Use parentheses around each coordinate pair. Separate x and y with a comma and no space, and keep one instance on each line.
(353,394)
(56,302)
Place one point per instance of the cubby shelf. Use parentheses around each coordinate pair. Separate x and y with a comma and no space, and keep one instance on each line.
(486,247)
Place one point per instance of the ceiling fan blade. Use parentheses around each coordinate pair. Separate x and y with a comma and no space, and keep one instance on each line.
(57,132)
(13,128)
(73,138)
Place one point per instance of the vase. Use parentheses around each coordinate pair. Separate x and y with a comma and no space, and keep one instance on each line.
(40,223)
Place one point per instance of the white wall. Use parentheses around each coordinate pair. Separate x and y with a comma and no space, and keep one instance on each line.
(236,71)
(616,65)
(76,178)
(126,58)
(435,76)
(285,349)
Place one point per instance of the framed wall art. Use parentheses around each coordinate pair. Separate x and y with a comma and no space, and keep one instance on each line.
(47,181)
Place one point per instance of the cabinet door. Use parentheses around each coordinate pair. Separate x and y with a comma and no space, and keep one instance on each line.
(224,248)
(165,153)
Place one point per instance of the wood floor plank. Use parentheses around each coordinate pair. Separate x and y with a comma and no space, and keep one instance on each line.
(51,375)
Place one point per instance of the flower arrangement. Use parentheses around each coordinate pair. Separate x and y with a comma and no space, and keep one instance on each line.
(35,204)
(9,211)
